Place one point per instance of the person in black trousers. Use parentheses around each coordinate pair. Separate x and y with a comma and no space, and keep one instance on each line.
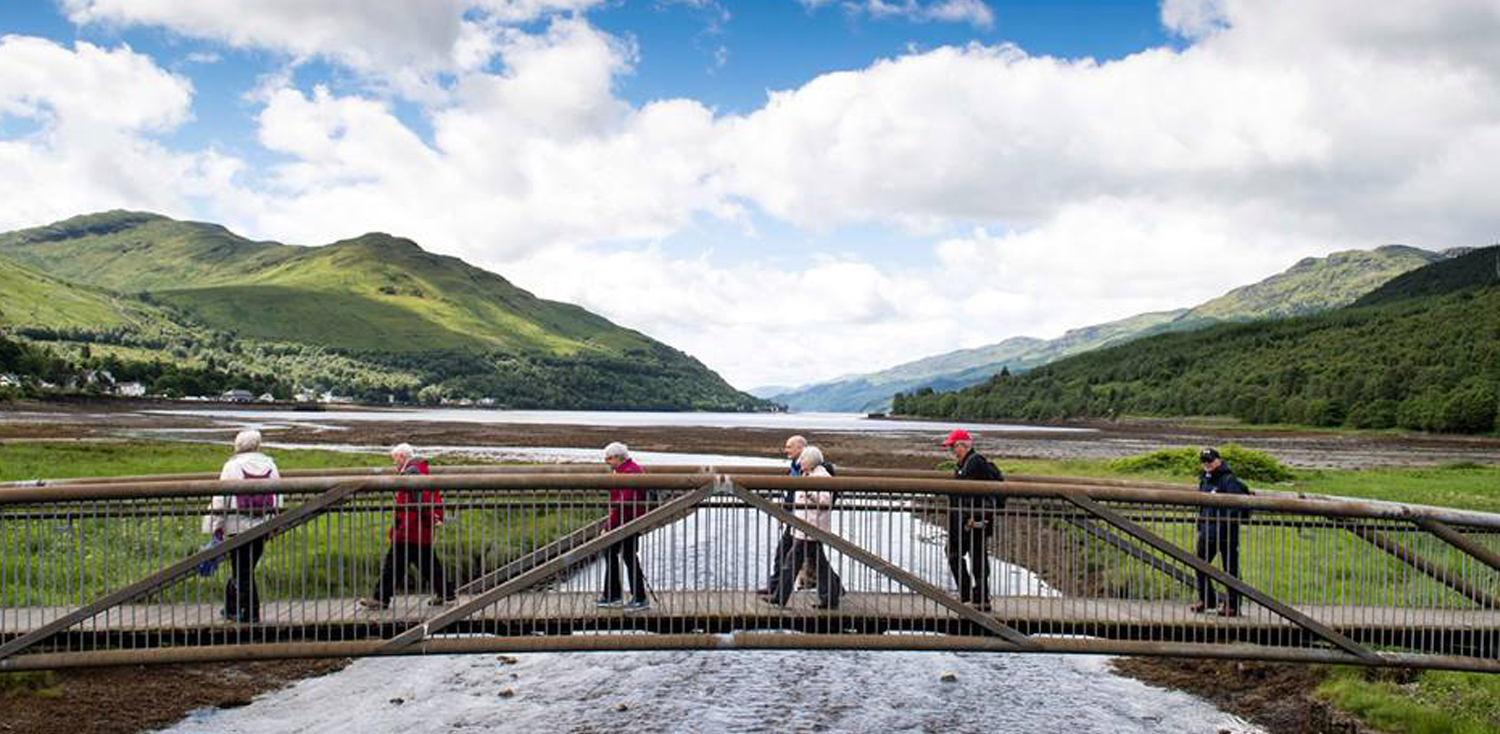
(971,522)
(793,449)
(1219,531)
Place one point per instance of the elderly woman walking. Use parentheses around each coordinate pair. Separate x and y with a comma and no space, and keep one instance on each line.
(418,513)
(817,509)
(232,514)
(625,504)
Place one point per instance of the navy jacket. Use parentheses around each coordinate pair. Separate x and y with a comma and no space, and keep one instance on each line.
(1222,481)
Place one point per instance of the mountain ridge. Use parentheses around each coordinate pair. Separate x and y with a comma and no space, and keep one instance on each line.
(1342,277)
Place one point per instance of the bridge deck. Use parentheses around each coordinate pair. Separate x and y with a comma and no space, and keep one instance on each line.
(726,610)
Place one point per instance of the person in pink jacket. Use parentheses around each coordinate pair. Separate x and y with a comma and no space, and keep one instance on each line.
(625,504)
(418,513)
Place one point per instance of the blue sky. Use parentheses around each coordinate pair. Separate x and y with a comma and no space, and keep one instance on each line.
(899,177)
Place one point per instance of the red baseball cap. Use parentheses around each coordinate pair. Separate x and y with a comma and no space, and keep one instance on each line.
(958,435)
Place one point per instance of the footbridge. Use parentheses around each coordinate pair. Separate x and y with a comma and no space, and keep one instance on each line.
(115,571)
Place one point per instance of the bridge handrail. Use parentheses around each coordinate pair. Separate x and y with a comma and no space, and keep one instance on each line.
(866,481)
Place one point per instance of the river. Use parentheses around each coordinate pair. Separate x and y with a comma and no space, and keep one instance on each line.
(734,691)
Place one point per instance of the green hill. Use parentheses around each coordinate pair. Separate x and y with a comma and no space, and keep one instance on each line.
(1469,268)
(395,318)
(1310,286)
(1428,362)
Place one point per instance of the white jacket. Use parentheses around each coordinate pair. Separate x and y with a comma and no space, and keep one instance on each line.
(820,516)
(252,463)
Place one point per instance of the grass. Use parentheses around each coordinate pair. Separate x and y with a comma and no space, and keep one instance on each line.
(46,562)
(41,684)
(1431,702)
(1435,702)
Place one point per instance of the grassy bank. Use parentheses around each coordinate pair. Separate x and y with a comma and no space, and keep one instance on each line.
(1408,702)
(48,561)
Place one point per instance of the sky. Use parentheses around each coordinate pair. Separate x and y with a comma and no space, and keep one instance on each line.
(788,190)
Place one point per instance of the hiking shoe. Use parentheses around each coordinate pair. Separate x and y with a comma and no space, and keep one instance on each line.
(604,603)
(638,606)
(369,603)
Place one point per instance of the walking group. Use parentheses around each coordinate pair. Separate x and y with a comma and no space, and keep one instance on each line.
(798,558)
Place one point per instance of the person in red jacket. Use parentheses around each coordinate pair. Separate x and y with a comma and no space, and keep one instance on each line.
(418,512)
(624,505)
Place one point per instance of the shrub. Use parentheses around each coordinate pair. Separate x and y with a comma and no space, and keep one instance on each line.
(1249,465)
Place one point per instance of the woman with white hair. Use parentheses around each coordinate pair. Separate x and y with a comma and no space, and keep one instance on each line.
(816,508)
(418,513)
(232,514)
(625,504)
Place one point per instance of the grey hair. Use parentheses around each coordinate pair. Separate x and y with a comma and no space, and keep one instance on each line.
(247,441)
(811,458)
(403,450)
(797,440)
(616,449)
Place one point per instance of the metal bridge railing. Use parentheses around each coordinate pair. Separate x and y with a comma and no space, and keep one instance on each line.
(97,572)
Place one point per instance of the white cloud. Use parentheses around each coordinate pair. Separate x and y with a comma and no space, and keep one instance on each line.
(974,12)
(82,153)
(1036,194)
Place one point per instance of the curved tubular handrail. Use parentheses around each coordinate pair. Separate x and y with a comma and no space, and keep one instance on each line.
(678,478)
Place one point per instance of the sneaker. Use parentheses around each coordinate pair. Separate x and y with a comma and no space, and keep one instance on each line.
(638,606)
(369,603)
(604,603)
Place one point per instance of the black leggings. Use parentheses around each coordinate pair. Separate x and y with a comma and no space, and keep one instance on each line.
(627,551)
(397,562)
(240,595)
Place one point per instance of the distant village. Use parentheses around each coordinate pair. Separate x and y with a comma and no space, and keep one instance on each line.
(101,382)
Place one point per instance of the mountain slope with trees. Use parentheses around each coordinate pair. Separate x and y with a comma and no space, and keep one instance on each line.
(1310,286)
(1426,361)
(375,317)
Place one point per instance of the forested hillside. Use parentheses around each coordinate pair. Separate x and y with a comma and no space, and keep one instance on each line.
(1411,358)
(375,317)
(1312,285)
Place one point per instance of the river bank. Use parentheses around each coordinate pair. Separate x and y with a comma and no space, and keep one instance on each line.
(1276,697)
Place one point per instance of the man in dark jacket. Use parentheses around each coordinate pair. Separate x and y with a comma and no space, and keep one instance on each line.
(418,512)
(971,521)
(793,448)
(1219,531)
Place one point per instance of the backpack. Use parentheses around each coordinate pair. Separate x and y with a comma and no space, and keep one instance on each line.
(833,495)
(255,504)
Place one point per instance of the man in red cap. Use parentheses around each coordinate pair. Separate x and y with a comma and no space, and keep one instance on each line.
(971,521)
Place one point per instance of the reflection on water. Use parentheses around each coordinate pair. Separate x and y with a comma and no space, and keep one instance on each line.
(789,421)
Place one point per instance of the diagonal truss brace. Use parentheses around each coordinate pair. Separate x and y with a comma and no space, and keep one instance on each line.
(1426,566)
(667,512)
(1134,550)
(883,566)
(1260,597)
(1460,541)
(282,521)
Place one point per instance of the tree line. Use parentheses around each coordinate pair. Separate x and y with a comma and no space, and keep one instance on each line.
(1430,363)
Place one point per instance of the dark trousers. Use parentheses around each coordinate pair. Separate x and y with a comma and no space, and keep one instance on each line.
(972,542)
(783,547)
(626,550)
(397,563)
(830,586)
(241,598)
(1219,538)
